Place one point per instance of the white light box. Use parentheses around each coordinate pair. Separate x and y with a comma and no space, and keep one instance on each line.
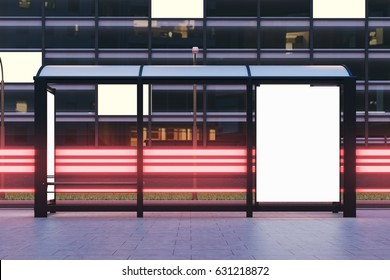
(298,143)
(184,9)
(20,67)
(339,9)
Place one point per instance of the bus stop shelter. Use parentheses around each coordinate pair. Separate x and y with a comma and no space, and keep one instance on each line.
(254,78)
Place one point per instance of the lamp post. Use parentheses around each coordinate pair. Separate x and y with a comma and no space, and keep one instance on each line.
(2,136)
(2,130)
(195,51)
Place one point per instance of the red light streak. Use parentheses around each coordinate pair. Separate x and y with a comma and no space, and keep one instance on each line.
(17,152)
(191,169)
(17,169)
(96,152)
(98,160)
(197,152)
(96,169)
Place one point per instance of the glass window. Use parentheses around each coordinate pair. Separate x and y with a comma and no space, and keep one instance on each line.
(134,8)
(226,99)
(283,8)
(177,34)
(379,68)
(123,34)
(339,9)
(75,134)
(231,8)
(19,100)
(19,134)
(75,99)
(378,8)
(379,100)
(175,133)
(226,133)
(21,34)
(238,34)
(70,34)
(177,8)
(172,99)
(117,134)
(379,36)
(339,36)
(20,7)
(284,35)
(69,7)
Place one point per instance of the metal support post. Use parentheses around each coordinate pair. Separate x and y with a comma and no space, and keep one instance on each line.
(249,149)
(140,151)
(350,148)
(40,138)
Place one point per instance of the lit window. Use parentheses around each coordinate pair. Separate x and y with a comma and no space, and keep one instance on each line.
(177,8)
(20,67)
(339,9)
(24,4)
(120,100)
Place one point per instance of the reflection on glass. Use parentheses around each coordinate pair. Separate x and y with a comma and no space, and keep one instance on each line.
(177,34)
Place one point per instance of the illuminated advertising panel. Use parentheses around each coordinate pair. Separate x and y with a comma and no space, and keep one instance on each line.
(298,143)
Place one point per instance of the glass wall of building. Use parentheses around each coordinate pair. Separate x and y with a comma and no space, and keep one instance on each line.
(93,32)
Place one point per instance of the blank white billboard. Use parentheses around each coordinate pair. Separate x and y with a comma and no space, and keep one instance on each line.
(298,143)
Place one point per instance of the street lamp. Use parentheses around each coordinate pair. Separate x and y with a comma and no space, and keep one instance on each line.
(195,51)
(2,136)
(2,130)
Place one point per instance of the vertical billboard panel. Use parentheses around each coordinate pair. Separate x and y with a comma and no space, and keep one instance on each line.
(51,119)
(298,143)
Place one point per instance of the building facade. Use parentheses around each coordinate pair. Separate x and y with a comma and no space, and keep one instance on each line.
(153,32)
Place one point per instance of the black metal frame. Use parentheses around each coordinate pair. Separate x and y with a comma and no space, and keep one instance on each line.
(347,84)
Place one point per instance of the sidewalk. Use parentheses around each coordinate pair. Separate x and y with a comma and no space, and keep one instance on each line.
(190,235)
